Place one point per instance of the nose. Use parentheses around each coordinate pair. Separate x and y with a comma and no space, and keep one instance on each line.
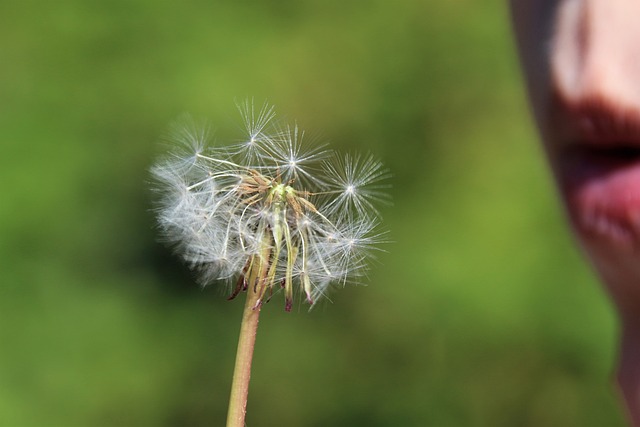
(596,52)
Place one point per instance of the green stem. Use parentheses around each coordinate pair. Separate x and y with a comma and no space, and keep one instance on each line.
(242,371)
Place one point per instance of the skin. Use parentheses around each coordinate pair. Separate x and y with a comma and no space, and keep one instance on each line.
(581,60)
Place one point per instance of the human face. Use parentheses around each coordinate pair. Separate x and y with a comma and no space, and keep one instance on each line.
(582,64)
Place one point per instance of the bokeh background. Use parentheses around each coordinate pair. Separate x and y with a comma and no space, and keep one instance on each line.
(481,313)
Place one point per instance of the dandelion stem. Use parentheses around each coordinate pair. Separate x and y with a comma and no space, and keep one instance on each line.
(242,371)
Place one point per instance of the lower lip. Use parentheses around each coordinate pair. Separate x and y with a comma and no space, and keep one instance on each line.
(602,191)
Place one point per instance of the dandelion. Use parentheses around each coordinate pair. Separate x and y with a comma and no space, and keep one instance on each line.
(272,213)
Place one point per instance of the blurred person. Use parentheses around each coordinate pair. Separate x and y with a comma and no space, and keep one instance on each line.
(581,60)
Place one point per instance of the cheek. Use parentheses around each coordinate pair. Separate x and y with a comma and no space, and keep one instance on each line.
(532,25)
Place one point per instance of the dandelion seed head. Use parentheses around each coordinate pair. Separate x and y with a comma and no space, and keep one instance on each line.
(274,212)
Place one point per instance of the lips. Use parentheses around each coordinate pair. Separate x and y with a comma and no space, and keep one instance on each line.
(599,173)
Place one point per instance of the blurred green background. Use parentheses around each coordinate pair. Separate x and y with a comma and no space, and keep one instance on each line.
(481,313)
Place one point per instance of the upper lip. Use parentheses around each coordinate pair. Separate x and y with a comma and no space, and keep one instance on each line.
(596,132)
(600,123)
